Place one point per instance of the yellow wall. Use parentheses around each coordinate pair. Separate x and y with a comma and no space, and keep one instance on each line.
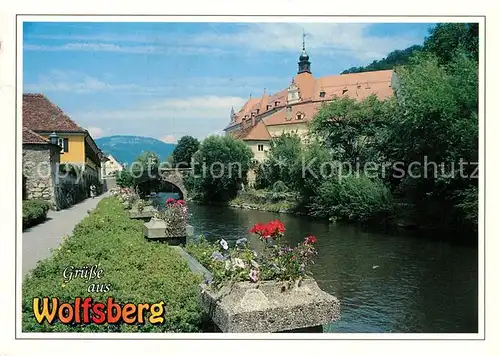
(76,149)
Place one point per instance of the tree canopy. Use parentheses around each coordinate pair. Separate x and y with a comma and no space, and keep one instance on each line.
(184,151)
(220,166)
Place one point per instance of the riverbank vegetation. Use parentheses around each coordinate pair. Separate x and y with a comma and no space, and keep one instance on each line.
(136,271)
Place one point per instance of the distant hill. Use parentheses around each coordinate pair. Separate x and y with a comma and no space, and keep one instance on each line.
(393,59)
(127,148)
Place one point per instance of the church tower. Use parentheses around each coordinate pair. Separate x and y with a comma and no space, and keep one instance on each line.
(304,63)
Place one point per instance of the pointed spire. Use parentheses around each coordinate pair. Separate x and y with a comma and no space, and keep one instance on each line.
(304,64)
(233,114)
(303,40)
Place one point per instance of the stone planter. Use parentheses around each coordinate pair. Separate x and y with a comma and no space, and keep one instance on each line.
(264,308)
(146,214)
(156,228)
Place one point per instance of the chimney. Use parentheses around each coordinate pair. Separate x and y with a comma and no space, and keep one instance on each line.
(288,113)
(253,119)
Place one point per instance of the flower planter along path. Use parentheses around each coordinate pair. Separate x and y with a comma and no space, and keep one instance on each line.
(38,240)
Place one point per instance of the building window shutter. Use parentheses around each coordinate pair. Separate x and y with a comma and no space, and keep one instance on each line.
(65,145)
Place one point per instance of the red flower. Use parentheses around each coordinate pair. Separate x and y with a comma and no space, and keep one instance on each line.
(271,229)
(180,202)
(310,239)
(169,201)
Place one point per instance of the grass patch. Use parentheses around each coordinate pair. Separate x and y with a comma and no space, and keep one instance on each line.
(137,270)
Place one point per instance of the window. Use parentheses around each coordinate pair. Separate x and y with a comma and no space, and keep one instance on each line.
(300,116)
(344,91)
(322,94)
(260,148)
(63,142)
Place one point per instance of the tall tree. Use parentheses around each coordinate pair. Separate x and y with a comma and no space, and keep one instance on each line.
(220,167)
(184,151)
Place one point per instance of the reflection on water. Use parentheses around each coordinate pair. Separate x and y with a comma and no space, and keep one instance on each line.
(385,283)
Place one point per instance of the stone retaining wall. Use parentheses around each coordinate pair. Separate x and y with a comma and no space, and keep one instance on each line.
(40,163)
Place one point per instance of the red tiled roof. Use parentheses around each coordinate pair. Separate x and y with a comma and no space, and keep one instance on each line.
(40,114)
(257,133)
(354,85)
(32,137)
(307,110)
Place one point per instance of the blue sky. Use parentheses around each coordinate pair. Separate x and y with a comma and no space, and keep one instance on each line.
(166,80)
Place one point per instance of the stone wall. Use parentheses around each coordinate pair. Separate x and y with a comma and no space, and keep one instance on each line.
(40,164)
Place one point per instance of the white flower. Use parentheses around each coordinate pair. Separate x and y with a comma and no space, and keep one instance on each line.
(238,262)
(224,245)
(254,264)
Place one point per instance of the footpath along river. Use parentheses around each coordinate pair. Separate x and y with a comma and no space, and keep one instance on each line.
(385,283)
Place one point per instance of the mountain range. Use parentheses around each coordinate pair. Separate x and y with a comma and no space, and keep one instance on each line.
(125,149)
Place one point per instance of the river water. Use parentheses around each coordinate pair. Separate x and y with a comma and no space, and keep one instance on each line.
(385,283)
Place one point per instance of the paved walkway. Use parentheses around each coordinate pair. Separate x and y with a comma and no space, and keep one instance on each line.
(38,240)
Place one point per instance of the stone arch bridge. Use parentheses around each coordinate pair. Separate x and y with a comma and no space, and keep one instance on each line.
(174,176)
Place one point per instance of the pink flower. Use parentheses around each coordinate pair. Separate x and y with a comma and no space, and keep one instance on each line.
(254,275)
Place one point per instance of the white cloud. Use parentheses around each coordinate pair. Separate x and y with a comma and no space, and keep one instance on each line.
(321,38)
(202,107)
(107,47)
(95,132)
(197,116)
(80,83)
(351,39)
(169,139)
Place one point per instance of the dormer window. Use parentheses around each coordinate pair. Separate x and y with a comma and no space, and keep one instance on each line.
(268,107)
(300,116)
(257,111)
(276,103)
(344,91)
(322,94)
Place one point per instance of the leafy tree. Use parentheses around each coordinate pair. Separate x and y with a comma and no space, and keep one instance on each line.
(446,39)
(435,120)
(184,151)
(124,178)
(148,159)
(281,159)
(348,127)
(220,167)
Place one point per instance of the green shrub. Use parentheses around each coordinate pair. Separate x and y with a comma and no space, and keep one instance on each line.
(138,271)
(352,198)
(34,212)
